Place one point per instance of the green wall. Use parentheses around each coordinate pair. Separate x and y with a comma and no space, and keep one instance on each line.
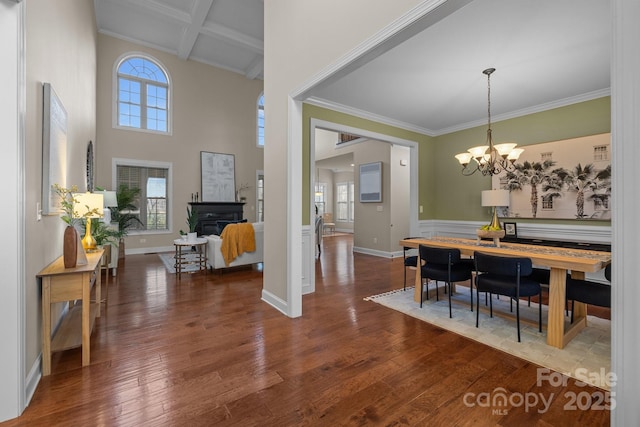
(425,145)
(463,203)
(443,191)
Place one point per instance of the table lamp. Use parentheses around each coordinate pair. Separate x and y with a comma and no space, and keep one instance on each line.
(88,205)
(495,198)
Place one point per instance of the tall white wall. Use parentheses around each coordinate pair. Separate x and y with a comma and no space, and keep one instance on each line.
(12,315)
(213,110)
(298,45)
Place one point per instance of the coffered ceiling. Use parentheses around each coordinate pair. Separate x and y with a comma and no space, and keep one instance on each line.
(547,53)
(224,33)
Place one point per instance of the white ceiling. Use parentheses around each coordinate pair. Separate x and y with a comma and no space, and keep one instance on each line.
(224,33)
(547,53)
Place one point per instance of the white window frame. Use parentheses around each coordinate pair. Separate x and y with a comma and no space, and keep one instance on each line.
(115,94)
(259,200)
(115,162)
(259,139)
(350,188)
(320,187)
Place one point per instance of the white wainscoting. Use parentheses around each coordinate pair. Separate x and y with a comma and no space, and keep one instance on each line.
(308,261)
(467,229)
(573,233)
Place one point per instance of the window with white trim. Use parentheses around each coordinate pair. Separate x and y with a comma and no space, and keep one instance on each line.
(344,202)
(260,197)
(320,197)
(153,179)
(260,121)
(142,95)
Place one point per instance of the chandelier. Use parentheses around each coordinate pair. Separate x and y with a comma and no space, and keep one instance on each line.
(489,159)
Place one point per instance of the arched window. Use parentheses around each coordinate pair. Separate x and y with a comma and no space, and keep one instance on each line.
(260,121)
(142,95)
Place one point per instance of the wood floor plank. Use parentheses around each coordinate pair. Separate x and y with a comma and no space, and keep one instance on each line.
(206,350)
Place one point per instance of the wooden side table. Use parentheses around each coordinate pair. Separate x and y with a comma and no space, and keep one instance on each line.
(61,284)
(200,246)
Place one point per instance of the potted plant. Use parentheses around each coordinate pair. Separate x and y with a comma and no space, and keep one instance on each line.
(105,236)
(123,215)
(192,222)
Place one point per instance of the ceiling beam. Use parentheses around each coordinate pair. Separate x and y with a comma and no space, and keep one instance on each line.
(198,15)
(255,68)
(233,37)
(159,9)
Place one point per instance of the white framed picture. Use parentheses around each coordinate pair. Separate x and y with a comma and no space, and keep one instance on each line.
(54,150)
(218,177)
(371,182)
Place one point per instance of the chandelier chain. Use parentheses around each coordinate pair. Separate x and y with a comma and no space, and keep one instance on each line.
(489,159)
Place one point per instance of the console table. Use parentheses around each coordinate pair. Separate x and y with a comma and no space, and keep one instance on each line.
(209,213)
(61,284)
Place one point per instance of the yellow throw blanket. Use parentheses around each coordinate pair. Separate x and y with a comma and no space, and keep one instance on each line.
(236,240)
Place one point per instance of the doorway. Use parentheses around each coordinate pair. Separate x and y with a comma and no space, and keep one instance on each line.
(363,242)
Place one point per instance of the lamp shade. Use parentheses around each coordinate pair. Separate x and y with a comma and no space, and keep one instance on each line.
(110,199)
(495,198)
(87,202)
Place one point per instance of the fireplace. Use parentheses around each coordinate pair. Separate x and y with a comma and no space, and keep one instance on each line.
(209,213)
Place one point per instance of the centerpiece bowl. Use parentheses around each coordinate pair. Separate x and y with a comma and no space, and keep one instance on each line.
(496,235)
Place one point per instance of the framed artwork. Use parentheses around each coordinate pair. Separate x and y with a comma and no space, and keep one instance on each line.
(54,150)
(510,230)
(567,179)
(371,182)
(217,177)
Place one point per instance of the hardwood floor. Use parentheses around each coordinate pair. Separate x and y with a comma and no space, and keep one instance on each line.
(206,351)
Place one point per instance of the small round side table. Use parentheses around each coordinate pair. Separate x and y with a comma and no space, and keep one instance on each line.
(200,252)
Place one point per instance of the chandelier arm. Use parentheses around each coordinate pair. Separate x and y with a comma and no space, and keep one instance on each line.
(494,161)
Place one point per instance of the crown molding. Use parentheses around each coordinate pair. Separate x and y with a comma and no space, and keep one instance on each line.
(366,115)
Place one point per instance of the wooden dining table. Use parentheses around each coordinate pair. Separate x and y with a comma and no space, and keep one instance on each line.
(559,260)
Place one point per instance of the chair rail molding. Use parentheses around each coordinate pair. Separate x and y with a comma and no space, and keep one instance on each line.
(568,232)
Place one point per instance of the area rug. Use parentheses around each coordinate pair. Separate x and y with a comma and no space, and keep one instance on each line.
(169,262)
(587,357)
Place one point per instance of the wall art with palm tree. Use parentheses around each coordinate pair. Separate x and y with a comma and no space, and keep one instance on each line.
(569,179)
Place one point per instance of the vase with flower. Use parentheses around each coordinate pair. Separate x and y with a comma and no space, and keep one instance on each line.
(71,241)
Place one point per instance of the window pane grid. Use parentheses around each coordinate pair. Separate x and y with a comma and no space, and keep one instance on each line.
(260,208)
(260,121)
(152,200)
(142,95)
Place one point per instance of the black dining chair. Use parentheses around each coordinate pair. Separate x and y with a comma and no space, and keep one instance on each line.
(443,264)
(508,276)
(409,261)
(590,292)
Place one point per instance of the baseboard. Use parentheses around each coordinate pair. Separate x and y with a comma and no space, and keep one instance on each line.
(374,252)
(276,302)
(32,380)
(153,250)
